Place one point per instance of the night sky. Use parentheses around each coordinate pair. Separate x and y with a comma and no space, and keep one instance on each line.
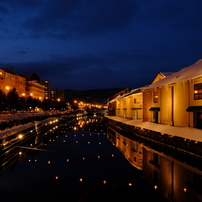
(97,44)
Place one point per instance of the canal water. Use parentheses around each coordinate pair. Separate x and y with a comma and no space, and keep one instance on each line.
(73,162)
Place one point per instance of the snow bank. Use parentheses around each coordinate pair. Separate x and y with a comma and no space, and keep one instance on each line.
(185,132)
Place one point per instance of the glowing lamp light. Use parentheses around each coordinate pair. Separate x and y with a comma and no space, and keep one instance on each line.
(155,187)
(130,184)
(81,180)
(67,160)
(196,91)
(185,189)
(104,182)
(49,162)
(20,136)
(56,177)
(98,157)
(83,158)
(20,153)
(112,155)
(88,142)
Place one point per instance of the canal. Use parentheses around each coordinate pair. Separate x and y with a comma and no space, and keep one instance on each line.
(71,161)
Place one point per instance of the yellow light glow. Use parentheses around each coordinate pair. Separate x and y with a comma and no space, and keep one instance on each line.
(23,94)
(155,186)
(20,153)
(196,91)
(98,157)
(7,87)
(81,180)
(129,184)
(185,189)
(104,182)
(67,160)
(20,136)
(31,94)
(56,177)
(49,162)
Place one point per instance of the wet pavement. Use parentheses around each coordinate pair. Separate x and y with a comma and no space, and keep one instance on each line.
(74,165)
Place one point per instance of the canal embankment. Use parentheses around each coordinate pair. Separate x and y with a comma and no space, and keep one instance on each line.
(182,138)
(14,126)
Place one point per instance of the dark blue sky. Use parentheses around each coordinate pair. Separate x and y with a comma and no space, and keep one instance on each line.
(96,44)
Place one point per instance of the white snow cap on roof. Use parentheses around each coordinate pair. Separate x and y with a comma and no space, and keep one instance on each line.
(192,71)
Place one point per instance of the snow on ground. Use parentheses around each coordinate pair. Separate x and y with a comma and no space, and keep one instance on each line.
(185,132)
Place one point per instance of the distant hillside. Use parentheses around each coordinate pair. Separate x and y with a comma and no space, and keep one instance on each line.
(91,96)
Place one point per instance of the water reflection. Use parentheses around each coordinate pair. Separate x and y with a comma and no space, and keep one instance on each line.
(177,175)
(71,160)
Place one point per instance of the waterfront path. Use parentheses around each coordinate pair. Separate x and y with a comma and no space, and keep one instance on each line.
(185,132)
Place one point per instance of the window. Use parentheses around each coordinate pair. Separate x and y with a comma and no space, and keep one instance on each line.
(135,146)
(198,91)
(135,100)
(155,97)
(155,176)
(155,158)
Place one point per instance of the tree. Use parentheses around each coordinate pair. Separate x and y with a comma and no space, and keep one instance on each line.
(33,103)
(13,100)
(47,104)
(3,101)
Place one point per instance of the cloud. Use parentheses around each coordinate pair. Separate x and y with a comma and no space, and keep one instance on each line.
(60,18)
(21,52)
(3,9)
(22,3)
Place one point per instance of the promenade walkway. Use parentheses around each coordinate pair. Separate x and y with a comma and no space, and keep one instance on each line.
(185,132)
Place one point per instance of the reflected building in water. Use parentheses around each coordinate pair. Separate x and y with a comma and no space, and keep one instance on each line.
(177,176)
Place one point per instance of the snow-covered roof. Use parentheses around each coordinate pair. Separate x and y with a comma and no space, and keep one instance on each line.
(192,71)
(133,91)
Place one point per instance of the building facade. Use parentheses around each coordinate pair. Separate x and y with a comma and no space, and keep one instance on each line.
(58,95)
(9,80)
(33,87)
(177,99)
(47,93)
(171,99)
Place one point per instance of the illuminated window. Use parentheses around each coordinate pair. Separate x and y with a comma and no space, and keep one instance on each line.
(155,97)
(198,91)
(135,146)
